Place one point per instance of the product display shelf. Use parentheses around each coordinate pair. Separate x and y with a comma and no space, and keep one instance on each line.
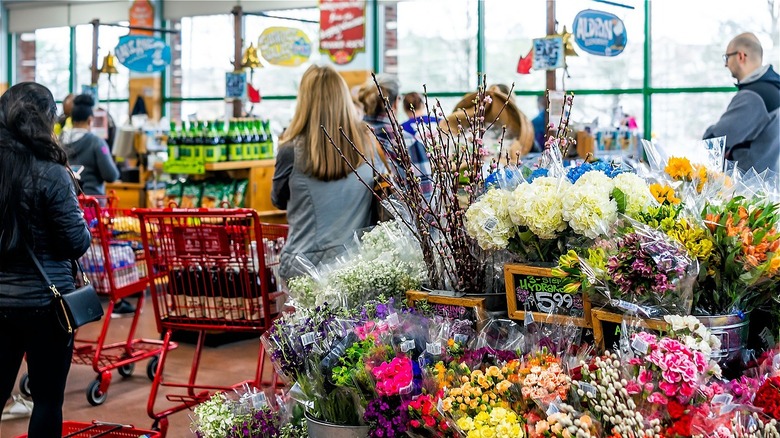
(238,165)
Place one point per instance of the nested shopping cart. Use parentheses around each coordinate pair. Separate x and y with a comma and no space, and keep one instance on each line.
(111,266)
(95,429)
(210,270)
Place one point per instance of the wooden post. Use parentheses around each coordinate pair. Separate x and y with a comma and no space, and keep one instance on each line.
(238,38)
(95,68)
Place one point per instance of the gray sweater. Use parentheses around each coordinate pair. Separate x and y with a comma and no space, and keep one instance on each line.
(323,216)
(90,159)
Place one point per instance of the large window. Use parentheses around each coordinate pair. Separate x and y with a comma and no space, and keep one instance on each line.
(440,52)
(115,87)
(206,54)
(43,56)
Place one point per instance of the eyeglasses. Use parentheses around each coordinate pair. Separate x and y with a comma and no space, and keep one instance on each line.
(726,57)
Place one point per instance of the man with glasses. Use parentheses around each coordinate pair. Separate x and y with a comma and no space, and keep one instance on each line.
(751,122)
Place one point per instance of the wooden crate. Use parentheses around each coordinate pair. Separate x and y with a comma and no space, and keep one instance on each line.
(549,303)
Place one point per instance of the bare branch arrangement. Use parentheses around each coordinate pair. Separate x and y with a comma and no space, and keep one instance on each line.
(453,259)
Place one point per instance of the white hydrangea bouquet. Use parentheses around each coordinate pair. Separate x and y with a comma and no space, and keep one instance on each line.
(388,262)
(540,218)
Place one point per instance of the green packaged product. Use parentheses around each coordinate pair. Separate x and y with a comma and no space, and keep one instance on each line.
(173,192)
(190,196)
(239,193)
(212,194)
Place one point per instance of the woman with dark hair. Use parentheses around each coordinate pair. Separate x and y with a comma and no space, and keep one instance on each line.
(39,212)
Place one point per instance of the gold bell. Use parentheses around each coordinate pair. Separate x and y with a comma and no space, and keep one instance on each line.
(109,65)
(568,47)
(250,59)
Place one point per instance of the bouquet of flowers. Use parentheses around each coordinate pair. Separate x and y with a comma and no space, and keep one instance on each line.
(745,234)
(249,416)
(387,262)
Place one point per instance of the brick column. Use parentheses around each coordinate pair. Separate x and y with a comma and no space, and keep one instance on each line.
(390,28)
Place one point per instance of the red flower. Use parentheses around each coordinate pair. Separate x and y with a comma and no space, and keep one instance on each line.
(681,427)
(676,410)
(768,397)
(415,423)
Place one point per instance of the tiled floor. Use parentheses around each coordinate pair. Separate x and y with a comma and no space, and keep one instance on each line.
(127,397)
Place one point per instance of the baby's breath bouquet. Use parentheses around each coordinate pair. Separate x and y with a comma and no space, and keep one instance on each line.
(388,262)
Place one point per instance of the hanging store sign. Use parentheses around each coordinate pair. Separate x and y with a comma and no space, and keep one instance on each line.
(342,29)
(141,15)
(599,33)
(285,46)
(235,85)
(143,53)
(548,53)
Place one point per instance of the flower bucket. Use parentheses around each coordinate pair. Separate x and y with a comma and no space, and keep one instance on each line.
(321,429)
(732,330)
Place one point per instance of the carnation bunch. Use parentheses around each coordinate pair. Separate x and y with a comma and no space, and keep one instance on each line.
(566,423)
(541,375)
(768,397)
(394,376)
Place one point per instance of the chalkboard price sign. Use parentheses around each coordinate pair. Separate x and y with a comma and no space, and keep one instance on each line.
(535,290)
(465,308)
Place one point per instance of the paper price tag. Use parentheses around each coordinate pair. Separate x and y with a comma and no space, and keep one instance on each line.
(381,326)
(722,399)
(490,223)
(392,320)
(308,338)
(639,345)
(259,400)
(407,389)
(461,338)
(407,345)
(552,409)
(767,336)
(529,318)
(433,348)
(588,389)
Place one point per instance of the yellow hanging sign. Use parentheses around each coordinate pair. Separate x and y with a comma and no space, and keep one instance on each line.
(284,46)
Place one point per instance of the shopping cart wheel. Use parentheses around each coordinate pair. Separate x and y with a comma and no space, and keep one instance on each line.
(126,370)
(151,367)
(94,396)
(24,385)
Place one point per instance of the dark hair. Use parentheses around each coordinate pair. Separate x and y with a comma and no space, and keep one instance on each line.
(27,115)
(82,108)
(413,101)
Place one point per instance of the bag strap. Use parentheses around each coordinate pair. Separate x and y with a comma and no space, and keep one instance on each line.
(52,286)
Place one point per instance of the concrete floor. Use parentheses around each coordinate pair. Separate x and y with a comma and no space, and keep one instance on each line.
(127,397)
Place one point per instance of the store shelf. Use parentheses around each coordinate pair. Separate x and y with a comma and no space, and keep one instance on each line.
(236,165)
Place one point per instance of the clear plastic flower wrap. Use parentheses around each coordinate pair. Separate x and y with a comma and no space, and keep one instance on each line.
(642,271)
(385,260)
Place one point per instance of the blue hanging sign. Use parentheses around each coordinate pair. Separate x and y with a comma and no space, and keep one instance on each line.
(143,53)
(599,33)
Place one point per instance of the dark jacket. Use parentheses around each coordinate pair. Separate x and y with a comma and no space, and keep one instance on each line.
(751,123)
(90,160)
(57,234)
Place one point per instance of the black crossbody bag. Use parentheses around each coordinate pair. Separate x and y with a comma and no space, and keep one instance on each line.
(76,308)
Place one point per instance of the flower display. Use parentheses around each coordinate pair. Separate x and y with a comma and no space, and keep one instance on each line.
(588,206)
(499,423)
(650,271)
(488,220)
(386,417)
(425,419)
(637,194)
(392,377)
(221,417)
(564,424)
(575,173)
(538,206)
(664,194)
(541,376)
(681,169)
(768,397)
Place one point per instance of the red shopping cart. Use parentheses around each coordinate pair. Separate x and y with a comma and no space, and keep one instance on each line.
(210,270)
(73,429)
(111,266)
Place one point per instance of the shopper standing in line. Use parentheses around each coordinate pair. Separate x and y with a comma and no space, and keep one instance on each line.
(751,122)
(324,199)
(378,119)
(38,210)
(91,161)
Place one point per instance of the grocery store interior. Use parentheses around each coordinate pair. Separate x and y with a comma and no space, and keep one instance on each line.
(195,95)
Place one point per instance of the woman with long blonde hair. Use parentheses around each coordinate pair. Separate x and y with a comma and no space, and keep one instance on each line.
(324,199)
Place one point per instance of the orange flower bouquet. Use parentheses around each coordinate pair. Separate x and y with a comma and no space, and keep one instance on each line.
(746,234)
